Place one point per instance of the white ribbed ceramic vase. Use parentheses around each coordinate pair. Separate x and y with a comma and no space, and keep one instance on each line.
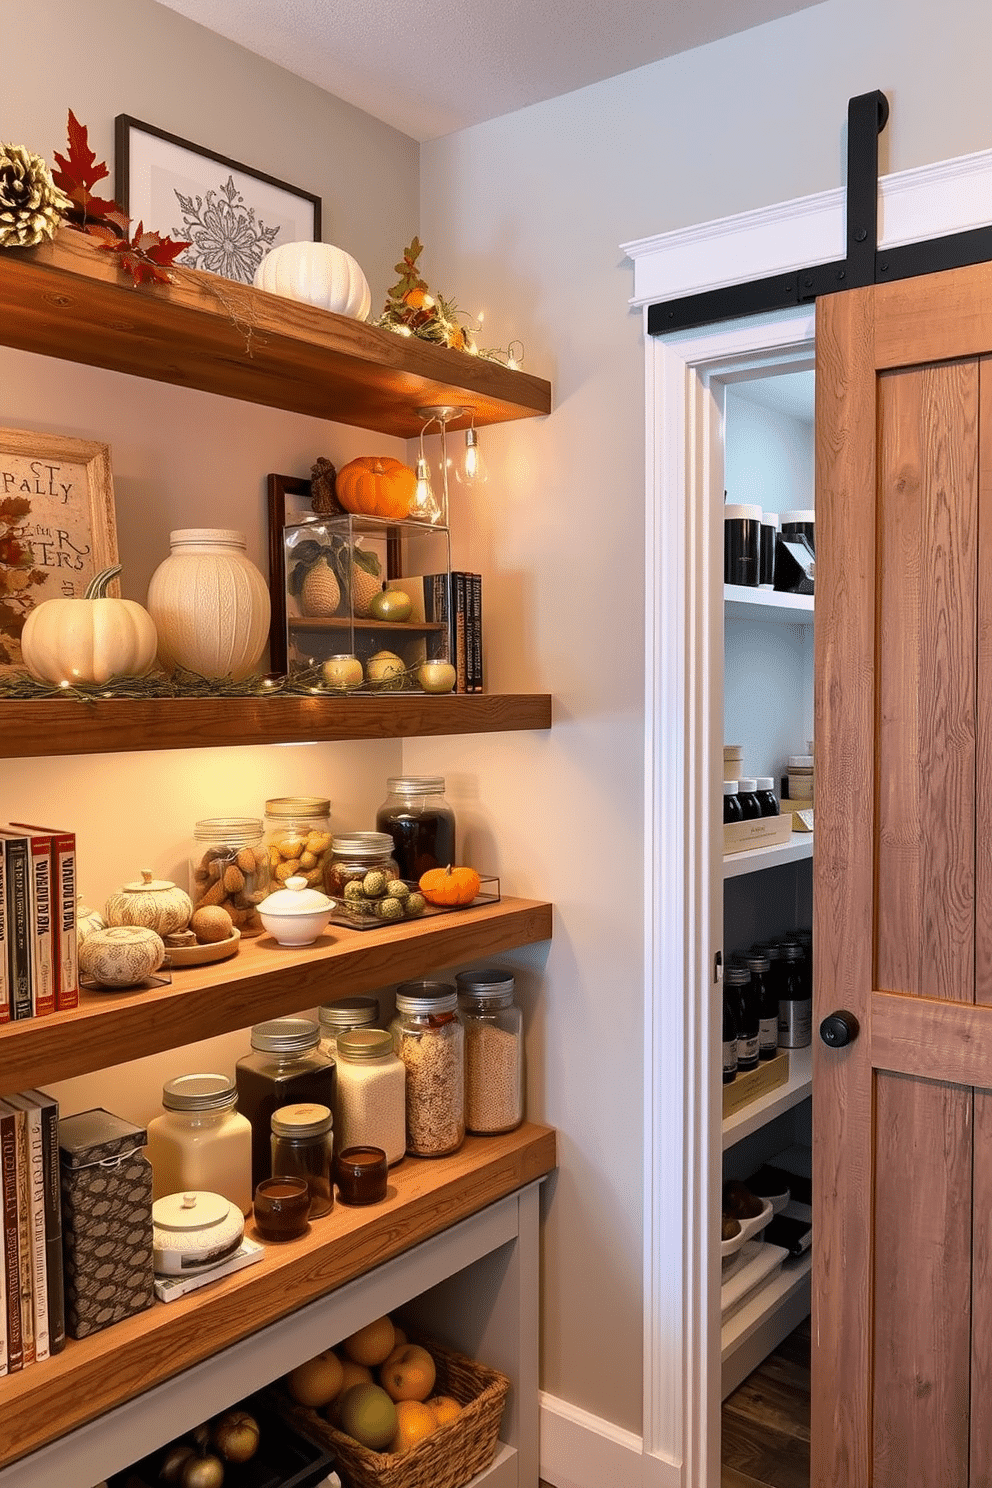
(210,604)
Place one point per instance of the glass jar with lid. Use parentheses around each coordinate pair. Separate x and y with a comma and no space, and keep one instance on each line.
(420,823)
(229,866)
(358,854)
(342,1014)
(494,1050)
(298,838)
(429,1038)
(286,1066)
(202,1142)
(302,1146)
(370,1108)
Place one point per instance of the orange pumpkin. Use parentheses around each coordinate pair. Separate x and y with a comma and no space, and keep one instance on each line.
(376,486)
(450,885)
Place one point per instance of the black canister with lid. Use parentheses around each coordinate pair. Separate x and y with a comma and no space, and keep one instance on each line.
(731,805)
(741,544)
(286,1067)
(765,793)
(800,524)
(766,552)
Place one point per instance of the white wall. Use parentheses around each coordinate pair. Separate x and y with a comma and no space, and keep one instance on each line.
(524,215)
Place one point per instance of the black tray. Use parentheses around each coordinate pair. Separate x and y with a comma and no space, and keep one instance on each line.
(286,1458)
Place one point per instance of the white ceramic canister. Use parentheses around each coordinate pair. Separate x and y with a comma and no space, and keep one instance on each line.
(193,1232)
(210,604)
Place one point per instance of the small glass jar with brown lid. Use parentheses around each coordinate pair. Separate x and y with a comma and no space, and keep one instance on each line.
(298,838)
(286,1066)
(302,1146)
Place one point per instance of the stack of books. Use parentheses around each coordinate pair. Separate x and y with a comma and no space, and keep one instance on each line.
(38,967)
(456,598)
(32,1305)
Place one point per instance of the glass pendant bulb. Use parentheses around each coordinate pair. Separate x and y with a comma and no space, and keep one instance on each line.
(425,507)
(472,471)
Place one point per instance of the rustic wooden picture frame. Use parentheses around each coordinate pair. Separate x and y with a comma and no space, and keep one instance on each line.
(58,525)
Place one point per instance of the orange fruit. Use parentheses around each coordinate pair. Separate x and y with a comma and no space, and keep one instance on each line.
(445,1408)
(414,1421)
(372,1344)
(317,1381)
(408,1373)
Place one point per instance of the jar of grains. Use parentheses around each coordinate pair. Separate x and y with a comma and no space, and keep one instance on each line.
(286,1066)
(229,866)
(343,1013)
(364,857)
(298,838)
(370,1102)
(302,1147)
(494,1050)
(420,823)
(430,1040)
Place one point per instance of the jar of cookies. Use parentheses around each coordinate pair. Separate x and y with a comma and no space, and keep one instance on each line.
(229,866)
(298,838)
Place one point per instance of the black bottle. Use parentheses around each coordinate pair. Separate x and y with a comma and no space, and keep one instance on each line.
(729,1040)
(731,806)
(750,806)
(759,966)
(745,1001)
(795,1005)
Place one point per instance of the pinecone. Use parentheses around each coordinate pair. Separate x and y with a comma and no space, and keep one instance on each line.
(31,205)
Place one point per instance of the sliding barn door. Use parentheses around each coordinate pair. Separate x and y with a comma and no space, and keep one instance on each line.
(902,1117)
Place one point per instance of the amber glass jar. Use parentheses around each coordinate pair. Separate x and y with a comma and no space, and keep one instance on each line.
(286,1066)
(302,1146)
(420,823)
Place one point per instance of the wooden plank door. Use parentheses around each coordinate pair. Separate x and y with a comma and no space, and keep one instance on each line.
(902,1116)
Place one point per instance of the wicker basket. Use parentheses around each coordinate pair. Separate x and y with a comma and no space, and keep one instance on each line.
(448,1458)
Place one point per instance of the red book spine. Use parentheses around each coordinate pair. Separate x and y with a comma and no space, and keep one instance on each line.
(42,925)
(4,949)
(63,914)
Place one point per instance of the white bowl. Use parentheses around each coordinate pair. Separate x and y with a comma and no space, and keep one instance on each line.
(296,914)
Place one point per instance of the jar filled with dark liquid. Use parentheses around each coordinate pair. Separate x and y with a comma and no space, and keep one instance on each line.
(286,1067)
(420,822)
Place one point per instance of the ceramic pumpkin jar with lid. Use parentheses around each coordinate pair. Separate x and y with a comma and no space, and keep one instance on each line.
(155,902)
(210,604)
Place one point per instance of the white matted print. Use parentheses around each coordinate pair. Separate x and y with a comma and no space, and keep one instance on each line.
(230,214)
(58,526)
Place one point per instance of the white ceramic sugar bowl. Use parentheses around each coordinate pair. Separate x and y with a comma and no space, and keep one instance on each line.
(296,914)
(194,1231)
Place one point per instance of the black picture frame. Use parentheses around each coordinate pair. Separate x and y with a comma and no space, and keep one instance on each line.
(178,188)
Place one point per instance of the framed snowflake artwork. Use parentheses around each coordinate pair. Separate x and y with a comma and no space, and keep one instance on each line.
(229,214)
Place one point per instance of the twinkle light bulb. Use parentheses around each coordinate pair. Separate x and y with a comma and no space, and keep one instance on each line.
(472,471)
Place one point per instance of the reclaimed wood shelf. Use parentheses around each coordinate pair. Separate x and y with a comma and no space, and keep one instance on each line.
(425,1197)
(265,980)
(56,726)
(67,299)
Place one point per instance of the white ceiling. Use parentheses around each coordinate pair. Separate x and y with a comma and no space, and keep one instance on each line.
(429,68)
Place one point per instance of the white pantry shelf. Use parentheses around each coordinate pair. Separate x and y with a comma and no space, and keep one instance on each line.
(798,847)
(764,1320)
(743,603)
(752,1117)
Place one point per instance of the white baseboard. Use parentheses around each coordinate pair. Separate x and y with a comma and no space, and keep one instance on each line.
(580,1450)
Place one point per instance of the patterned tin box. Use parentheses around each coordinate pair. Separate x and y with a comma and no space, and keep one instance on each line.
(106,1220)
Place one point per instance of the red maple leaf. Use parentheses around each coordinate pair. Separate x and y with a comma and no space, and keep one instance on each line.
(146,256)
(79,172)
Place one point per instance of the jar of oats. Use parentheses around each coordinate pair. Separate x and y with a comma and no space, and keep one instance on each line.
(229,866)
(494,1051)
(340,1016)
(430,1040)
(298,838)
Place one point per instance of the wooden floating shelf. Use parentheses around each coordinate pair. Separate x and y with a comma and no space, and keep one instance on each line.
(264,980)
(58,726)
(67,299)
(425,1196)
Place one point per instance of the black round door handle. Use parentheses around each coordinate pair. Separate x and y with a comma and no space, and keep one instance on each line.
(839,1029)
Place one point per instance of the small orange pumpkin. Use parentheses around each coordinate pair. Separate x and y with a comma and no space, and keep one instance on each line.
(376,486)
(450,885)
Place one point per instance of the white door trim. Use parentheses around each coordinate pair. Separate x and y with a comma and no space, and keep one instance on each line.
(684,377)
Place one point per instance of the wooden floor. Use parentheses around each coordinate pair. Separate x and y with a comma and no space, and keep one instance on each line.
(766,1421)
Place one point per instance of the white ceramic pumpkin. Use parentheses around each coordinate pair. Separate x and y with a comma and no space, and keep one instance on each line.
(121,955)
(156,902)
(87,920)
(319,274)
(92,639)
